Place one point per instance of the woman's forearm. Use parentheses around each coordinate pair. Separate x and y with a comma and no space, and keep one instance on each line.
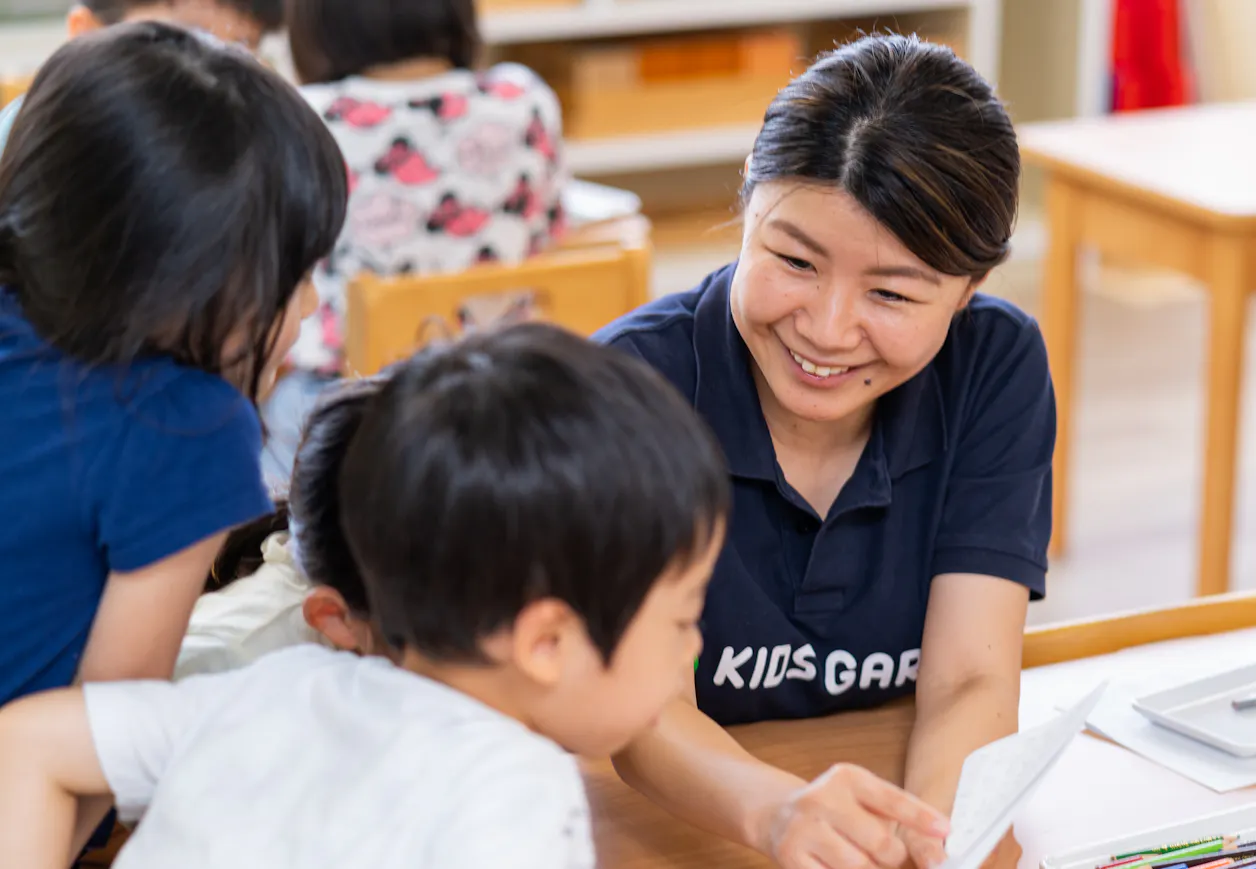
(695,770)
(950,725)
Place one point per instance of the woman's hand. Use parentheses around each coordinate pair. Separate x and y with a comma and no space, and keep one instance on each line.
(847,819)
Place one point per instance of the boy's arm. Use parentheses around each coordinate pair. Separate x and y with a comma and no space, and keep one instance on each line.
(47,761)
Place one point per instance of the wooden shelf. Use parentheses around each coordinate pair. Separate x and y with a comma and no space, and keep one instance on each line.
(603,18)
(24,46)
(678,150)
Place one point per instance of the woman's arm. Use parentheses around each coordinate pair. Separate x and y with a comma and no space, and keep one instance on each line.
(693,768)
(968,691)
(47,763)
(144,614)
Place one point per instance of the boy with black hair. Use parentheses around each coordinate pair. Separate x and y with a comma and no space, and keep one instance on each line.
(535,518)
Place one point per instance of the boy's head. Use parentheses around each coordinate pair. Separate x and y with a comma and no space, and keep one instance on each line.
(240,21)
(536,518)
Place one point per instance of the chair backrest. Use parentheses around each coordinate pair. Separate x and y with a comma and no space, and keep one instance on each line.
(12,88)
(579,288)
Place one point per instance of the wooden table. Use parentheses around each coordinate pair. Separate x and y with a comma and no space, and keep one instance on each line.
(632,833)
(1097,783)
(1174,189)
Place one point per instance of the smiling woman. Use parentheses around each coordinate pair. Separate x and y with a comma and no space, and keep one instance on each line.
(889,434)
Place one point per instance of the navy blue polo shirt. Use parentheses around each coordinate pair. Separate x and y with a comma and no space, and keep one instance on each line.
(809,615)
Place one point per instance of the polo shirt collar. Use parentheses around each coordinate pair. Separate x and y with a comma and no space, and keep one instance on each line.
(909,430)
(725,395)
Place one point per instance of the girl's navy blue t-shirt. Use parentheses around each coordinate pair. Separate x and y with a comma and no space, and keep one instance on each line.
(103,469)
(807,614)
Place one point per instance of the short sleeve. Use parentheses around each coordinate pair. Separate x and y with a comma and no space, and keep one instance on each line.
(996,520)
(525,811)
(186,466)
(137,727)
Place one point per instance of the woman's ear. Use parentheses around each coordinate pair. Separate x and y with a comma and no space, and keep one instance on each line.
(974,284)
(325,611)
(80,21)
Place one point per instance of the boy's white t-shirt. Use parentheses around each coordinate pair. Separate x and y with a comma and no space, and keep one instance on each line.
(313,758)
(251,617)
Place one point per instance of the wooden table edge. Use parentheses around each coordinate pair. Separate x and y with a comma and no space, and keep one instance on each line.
(1088,638)
(1098,181)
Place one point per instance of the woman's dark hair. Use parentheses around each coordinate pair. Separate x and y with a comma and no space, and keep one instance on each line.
(518,465)
(312,512)
(165,194)
(914,134)
(334,39)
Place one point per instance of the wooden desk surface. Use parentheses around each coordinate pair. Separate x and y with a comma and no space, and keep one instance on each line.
(1097,791)
(633,833)
(1198,158)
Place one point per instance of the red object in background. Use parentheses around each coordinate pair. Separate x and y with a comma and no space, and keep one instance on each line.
(1149,65)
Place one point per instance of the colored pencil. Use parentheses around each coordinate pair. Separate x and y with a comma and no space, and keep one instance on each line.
(1214,847)
(1165,849)
(1240,852)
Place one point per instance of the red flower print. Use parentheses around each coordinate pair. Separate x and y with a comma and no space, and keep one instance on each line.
(357,113)
(406,164)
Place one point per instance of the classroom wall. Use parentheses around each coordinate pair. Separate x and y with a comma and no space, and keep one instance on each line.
(1221,32)
(1038,71)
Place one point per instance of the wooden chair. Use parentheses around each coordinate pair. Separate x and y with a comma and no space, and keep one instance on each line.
(582,285)
(12,88)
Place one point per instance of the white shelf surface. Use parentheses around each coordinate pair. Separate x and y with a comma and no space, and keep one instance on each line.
(602,18)
(673,150)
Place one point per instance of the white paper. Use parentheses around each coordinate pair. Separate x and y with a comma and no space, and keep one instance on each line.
(1116,719)
(997,778)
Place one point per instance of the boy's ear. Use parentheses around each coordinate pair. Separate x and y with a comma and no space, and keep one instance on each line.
(541,644)
(80,21)
(325,611)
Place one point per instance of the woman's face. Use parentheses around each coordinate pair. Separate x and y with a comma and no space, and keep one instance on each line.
(835,310)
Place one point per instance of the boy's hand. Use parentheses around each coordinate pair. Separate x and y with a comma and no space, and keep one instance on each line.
(846,819)
(926,852)
(1006,854)
(923,852)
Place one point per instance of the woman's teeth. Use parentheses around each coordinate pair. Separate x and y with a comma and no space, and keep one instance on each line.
(814,370)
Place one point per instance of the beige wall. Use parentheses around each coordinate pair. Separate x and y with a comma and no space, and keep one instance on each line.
(1038,70)
(1221,35)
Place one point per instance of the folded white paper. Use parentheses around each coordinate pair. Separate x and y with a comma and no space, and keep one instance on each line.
(998,778)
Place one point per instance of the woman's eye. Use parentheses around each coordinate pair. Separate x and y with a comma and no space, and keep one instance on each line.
(798,265)
(890,296)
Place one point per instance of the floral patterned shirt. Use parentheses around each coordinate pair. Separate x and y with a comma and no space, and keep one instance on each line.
(444,173)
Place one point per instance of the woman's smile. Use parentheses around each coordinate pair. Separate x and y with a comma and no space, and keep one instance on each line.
(822,374)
